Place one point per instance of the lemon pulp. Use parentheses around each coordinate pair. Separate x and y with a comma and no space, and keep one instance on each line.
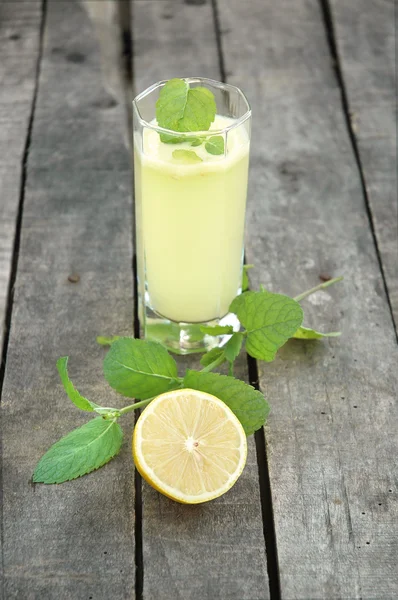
(189,445)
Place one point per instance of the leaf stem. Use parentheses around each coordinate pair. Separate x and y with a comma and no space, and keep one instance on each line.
(219,360)
(321,286)
(131,407)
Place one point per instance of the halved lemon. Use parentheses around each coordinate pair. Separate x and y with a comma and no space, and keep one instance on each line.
(189,446)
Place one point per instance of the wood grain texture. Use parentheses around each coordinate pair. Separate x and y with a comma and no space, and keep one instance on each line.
(75,540)
(19,50)
(365,37)
(213,551)
(332,433)
(210,551)
(173,38)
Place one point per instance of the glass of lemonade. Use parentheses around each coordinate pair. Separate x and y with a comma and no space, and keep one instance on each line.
(190,216)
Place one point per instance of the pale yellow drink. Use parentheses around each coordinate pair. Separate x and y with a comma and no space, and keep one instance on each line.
(190,224)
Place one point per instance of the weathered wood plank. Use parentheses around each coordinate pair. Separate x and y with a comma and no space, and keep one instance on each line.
(365,37)
(19,50)
(332,441)
(75,540)
(216,550)
(366,41)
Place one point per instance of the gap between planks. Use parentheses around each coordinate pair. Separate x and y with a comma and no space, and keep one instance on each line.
(263,475)
(128,42)
(332,43)
(17,239)
(14,263)
(267,513)
(267,509)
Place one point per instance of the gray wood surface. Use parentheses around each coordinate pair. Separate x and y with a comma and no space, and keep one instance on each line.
(19,44)
(332,434)
(74,541)
(366,44)
(213,551)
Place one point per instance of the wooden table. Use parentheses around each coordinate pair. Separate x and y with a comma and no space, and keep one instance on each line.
(314,515)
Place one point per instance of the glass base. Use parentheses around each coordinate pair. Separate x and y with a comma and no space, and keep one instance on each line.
(185,338)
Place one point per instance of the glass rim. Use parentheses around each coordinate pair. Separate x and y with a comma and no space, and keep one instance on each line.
(224,130)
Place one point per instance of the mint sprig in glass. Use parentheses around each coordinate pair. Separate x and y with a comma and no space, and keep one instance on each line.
(191,159)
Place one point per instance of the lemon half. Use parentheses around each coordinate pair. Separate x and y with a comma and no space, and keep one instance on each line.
(189,446)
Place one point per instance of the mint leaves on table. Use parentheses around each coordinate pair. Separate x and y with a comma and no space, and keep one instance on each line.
(245,278)
(248,404)
(233,346)
(212,356)
(144,369)
(140,369)
(183,109)
(269,319)
(81,451)
(304,333)
(73,395)
(107,340)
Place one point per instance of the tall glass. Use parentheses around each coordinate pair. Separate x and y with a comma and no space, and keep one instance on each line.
(190,215)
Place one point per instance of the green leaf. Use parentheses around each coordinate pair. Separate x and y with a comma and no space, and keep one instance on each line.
(245,278)
(181,108)
(197,142)
(270,320)
(217,329)
(140,369)
(73,395)
(305,333)
(81,451)
(211,356)
(233,346)
(105,340)
(168,138)
(246,403)
(186,156)
(215,145)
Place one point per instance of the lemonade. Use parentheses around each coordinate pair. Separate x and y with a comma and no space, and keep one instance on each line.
(190,223)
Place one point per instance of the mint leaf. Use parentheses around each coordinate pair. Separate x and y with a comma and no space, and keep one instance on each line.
(181,108)
(270,320)
(73,395)
(245,278)
(197,142)
(106,340)
(171,103)
(140,369)
(211,356)
(215,145)
(186,156)
(246,403)
(233,346)
(217,329)
(81,451)
(168,138)
(304,333)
